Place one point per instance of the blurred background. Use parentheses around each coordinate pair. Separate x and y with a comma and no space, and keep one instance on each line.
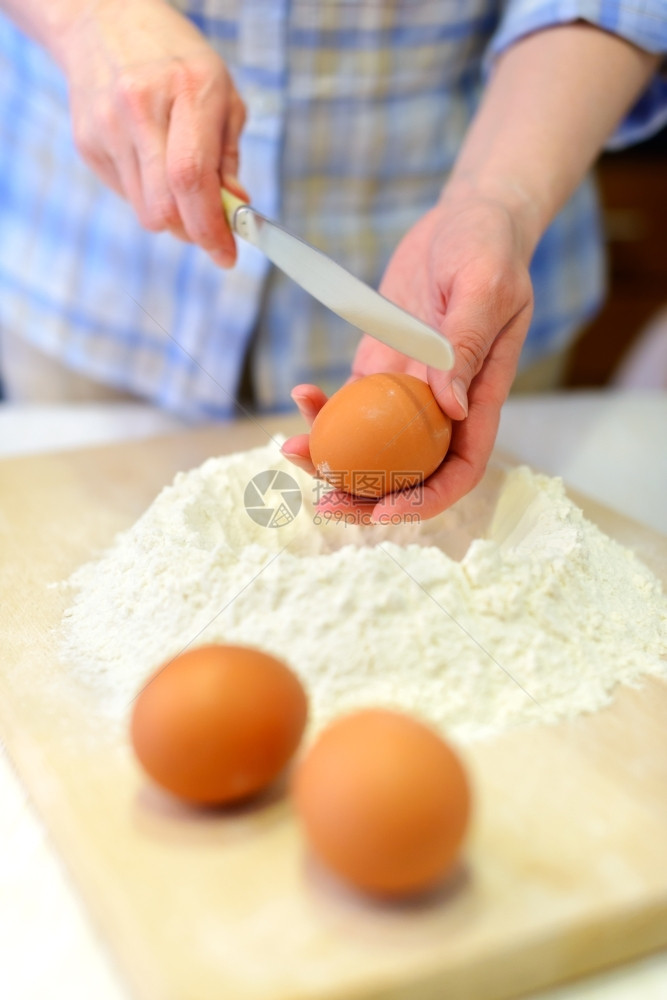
(626,344)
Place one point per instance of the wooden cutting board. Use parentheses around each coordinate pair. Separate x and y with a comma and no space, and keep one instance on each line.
(566,867)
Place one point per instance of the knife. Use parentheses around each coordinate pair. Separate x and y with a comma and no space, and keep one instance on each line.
(337,289)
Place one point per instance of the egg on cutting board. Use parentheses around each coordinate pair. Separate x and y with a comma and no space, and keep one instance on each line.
(379,434)
(218,723)
(384,802)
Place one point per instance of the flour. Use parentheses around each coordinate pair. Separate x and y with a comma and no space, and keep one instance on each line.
(538,621)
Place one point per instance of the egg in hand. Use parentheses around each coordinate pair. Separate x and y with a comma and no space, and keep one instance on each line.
(379,434)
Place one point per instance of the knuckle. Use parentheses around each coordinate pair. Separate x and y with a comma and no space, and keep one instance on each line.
(189,78)
(186,174)
(133,95)
(472,348)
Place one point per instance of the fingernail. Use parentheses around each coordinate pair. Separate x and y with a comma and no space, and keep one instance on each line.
(299,460)
(460,394)
(304,404)
(288,453)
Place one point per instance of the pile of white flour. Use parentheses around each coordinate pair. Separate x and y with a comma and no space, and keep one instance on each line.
(539,621)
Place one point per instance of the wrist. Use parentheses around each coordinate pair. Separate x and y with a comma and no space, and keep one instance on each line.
(505,193)
(47,22)
(44,20)
(56,22)
(68,20)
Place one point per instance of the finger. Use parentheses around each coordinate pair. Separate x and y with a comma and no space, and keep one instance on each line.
(105,169)
(475,331)
(441,491)
(297,450)
(193,173)
(95,154)
(126,164)
(309,399)
(453,480)
(233,184)
(119,147)
(471,446)
(464,467)
(144,111)
(158,210)
(234,122)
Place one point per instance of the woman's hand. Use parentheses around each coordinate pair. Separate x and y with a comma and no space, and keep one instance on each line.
(463,268)
(156,115)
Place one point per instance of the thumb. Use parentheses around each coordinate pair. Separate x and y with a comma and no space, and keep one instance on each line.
(451,392)
(471,335)
(480,342)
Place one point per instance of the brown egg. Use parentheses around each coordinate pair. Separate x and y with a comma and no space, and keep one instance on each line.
(384,802)
(218,723)
(379,434)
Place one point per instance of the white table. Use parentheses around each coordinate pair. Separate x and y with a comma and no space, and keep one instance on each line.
(610,446)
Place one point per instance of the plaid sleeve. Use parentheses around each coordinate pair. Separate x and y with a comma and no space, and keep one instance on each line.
(642,22)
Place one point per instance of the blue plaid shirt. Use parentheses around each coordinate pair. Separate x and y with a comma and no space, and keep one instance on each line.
(356,114)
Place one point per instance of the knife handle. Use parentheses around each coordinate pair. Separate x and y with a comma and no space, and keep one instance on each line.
(230,202)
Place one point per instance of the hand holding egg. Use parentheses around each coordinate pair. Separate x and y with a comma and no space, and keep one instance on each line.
(380,434)
(463,269)
(377,437)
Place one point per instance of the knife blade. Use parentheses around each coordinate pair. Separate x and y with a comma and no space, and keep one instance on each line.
(337,289)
